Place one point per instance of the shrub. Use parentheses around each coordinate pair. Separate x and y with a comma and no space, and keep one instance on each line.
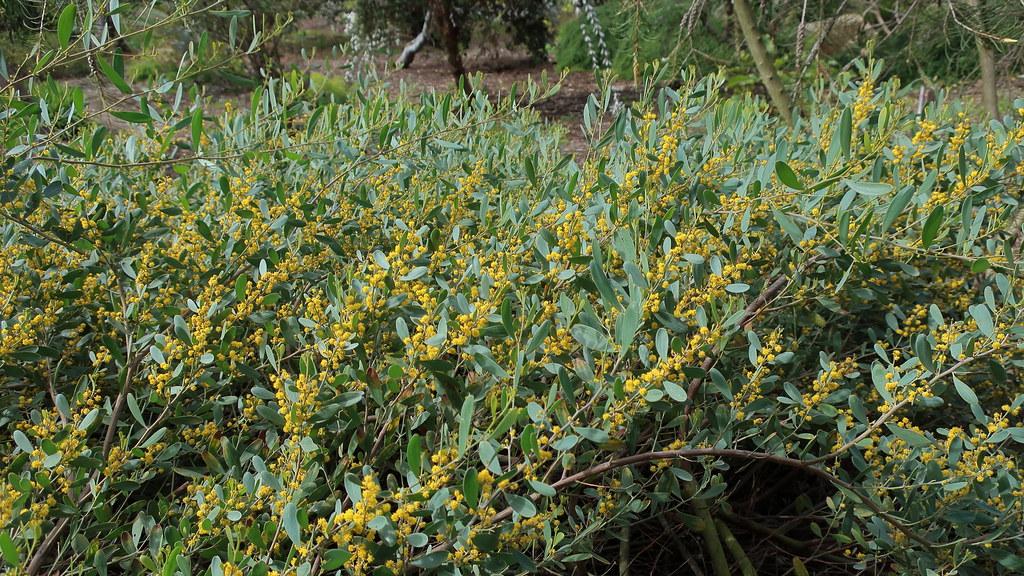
(383,335)
(652,34)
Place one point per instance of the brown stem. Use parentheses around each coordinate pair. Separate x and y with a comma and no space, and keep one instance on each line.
(777,535)
(684,552)
(749,313)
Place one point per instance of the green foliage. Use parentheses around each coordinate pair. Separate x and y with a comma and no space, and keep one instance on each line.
(915,50)
(654,36)
(666,31)
(238,24)
(331,87)
(21,15)
(379,334)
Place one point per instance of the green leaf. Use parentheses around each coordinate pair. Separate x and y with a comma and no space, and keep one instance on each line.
(65,24)
(197,129)
(788,226)
(538,337)
(931,226)
(353,488)
(415,274)
(898,205)
(542,488)
(845,131)
(8,549)
(430,561)
(523,506)
(675,391)
(335,559)
(466,423)
(965,392)
(590,338)
(912,438)
(381,260)
(133,407)
(506,317)
(471,488)
(595,435)
(983,318)
(133,117)
(22,441)
(350,398)
(181,329)
(489,457)
(241,283)
(112,75)
(604,287)
(798,567)
(628,323)
(531,170)
(171,563)
(923,350)
(270,414)
(787,176)
(528,439)
(869,189)
(89,419)
(488,364)
(414,454)
(290,518)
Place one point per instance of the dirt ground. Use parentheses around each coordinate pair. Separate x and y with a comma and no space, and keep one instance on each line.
(500,70)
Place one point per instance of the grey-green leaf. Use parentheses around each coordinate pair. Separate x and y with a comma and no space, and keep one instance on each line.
(290,518)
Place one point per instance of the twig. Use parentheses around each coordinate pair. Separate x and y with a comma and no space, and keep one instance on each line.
(682,549)
(892,411)
(690,453)
(749,313)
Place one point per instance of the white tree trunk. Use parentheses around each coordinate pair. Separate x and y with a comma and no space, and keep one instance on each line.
(410,50)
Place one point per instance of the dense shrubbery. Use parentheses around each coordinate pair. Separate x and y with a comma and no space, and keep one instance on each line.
(407,334)
(705,36)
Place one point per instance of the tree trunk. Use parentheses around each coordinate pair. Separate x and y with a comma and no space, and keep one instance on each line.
(412,48)
(450,37)
(989,97)
(113,36)
(765,68)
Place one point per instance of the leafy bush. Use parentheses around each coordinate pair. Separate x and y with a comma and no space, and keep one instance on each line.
(708,38)
(386,334)
(952,55)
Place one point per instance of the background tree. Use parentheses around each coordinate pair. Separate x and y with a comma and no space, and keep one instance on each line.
(524,24)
